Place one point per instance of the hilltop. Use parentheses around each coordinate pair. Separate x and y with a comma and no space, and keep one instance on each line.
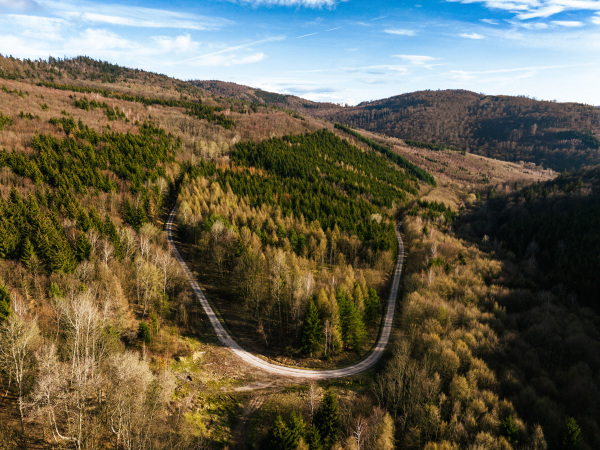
(550,134)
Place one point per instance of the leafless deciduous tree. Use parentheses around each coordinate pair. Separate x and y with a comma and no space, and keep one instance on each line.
(18,338)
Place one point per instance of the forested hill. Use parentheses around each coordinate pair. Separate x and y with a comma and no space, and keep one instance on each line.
(259,96)
(552,229)
(557,135)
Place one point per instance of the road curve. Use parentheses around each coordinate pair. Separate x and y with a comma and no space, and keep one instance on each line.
(285,371)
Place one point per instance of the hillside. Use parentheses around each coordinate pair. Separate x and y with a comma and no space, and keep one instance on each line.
(555,135)
(257,96)
(287,222)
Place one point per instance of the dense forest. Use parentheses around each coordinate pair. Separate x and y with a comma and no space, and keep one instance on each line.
(557,135)
(299,224)
(552,227)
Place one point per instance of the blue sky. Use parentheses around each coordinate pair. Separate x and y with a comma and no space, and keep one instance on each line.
(345,51)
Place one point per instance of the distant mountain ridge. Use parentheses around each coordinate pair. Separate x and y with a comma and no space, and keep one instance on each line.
(557,135)
(256,95)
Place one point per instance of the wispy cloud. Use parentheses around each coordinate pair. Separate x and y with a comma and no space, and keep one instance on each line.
(307,35)
(490,21)
(233,48)
(47,28)
(417,60)
(568,23)
(229,56)
(127,16)
(400,32)
(20,5)
(475,36)
(529,25)
(471,74)
(180,44)
(314,4)
(532,9)
(543,12)
(223,60)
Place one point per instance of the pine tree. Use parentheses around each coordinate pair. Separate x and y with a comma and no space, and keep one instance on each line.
(311,330)
(352,325)
(4,302)
(357,330)
(280,437)
(129,215)
(510,429)
(571,434)
(83,247)
(327,419)
(27,253)
(372,306)
(297,428)
(313,438)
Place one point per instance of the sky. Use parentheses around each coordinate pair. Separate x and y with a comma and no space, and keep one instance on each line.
(342,51)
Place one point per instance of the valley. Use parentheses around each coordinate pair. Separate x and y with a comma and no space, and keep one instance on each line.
(208,265)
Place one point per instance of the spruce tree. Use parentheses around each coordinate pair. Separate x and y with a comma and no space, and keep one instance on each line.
(83,247)
(571,434)
(4,302)
(313,438)
(280,437)
(352,325)
(27,253)
(311,330)
(297,428)
(327,419)
(372,306)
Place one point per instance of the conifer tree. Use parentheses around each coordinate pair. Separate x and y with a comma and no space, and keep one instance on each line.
(372,306)
(83,247)
(297,428)
(311,330)
(571,434)
(327,419)
(83,221)
(4,302)
(352,325)
(313,438)
(27,253)
(280,437)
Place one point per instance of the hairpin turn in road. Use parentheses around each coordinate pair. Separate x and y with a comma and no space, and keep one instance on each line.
(276,369)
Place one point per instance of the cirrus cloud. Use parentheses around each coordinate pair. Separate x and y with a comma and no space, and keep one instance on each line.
(400,32)
(475,36)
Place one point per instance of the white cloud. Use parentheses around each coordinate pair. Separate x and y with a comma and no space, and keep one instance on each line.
(417,60)
(531,25)
(530,9)
(306,35)
(596,19)
(46,28)
(305,3)
(131,16)
(490,21)
(224,60)
(400,32)
(182,43)
(568,23)
(543,12)
(460,75)
(21,5)
(472,36)
(98,40)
